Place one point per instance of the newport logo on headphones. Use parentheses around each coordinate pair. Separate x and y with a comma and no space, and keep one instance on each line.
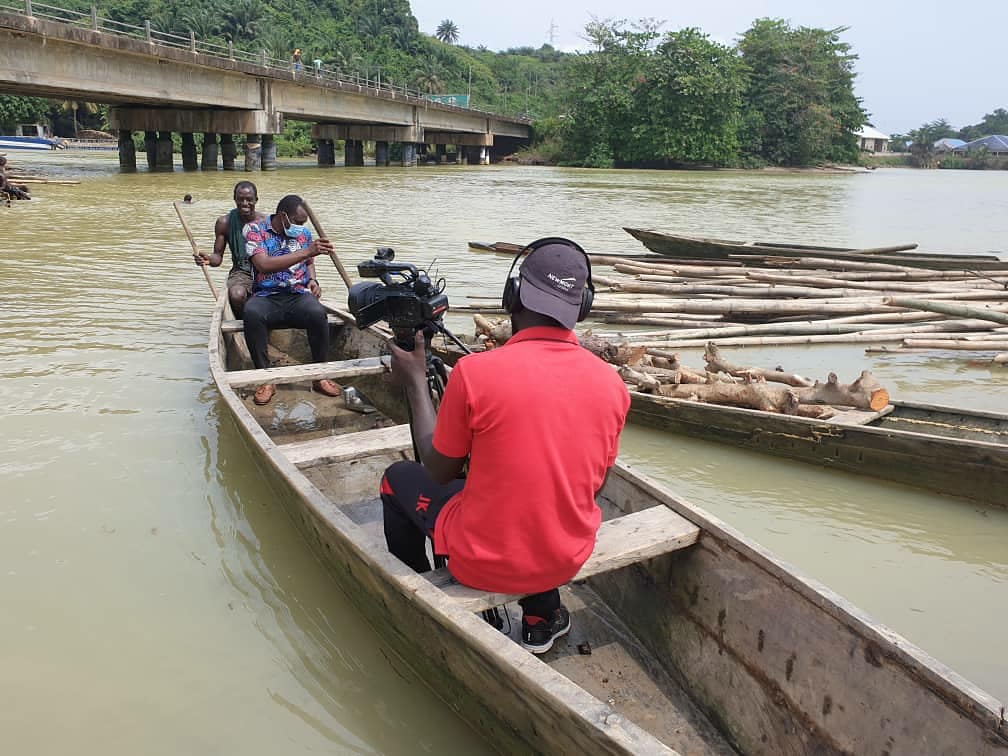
(562,283)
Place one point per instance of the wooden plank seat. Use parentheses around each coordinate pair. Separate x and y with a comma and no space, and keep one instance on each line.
(237,326)
(313,371)
(620,542)
(332,449)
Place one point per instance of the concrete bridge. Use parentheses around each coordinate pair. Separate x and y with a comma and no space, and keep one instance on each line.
(161,83)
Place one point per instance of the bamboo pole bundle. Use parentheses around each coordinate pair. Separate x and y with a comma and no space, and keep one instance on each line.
(826,282)
(946,308)
(957,344)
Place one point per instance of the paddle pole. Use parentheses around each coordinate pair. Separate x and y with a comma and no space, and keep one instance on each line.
(322,234)
(192,241)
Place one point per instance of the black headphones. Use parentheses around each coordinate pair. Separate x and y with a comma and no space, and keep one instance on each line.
(509,297)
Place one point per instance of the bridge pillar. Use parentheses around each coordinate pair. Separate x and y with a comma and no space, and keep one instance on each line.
(269,152)
(326,153)
(127,151)
(150,146)
(164,152)
(409,154)
(189,161)
(229,151)
(472,155)
(253,153)
(381,156)
(208,160)
(440,153)
(353,153)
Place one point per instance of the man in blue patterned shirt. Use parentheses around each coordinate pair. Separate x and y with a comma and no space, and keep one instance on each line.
(285,292)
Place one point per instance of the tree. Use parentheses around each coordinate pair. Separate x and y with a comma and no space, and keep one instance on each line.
(73,106)
(922,150)
(687,108)
(800,106)
(427,77)
(447,32)
(992,123)
(15,109)
(242,19)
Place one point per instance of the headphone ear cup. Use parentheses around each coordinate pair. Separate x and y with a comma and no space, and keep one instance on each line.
(587,300)
(509,297)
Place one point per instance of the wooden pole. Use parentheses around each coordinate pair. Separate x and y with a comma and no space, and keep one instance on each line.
(322,234)
(947,308)
(192,241)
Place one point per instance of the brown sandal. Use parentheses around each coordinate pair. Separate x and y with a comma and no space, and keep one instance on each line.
(327,387)
(264,394)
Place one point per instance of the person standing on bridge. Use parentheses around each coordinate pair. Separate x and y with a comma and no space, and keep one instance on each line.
(228,233)
(297,60)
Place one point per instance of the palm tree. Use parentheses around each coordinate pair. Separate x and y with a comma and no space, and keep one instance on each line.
(370,29)
(427,76)
(447,32)
(203,22)
(242,20)
(403,38)
(74,105)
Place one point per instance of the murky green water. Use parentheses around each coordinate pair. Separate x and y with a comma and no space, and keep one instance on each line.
(156,599)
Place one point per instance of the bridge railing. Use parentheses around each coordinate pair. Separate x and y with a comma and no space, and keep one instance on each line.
(325,75)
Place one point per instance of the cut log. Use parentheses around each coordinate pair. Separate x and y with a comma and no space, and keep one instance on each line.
(497,332)
(611,352)
(864,393)
(760,396)
(648,384)
(717,364)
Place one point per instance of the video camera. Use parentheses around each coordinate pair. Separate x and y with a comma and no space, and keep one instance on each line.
(406,298)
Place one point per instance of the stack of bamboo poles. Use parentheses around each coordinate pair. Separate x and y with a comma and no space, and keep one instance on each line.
(771,301)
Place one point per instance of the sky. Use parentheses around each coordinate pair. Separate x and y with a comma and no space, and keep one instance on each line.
(917,61)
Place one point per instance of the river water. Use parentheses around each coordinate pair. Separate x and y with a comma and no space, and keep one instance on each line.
(154,596)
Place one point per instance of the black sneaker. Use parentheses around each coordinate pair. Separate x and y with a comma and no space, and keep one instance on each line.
(539,633)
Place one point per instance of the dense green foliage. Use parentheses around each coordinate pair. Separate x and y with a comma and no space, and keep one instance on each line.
(15,110)
(800,106)
(783,95)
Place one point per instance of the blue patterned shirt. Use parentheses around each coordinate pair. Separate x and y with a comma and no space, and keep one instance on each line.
(260,238)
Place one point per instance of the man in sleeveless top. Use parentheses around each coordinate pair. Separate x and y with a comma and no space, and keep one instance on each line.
(228,233)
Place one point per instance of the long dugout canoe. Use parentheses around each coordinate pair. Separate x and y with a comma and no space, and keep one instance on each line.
(699,247)
(952,451)
(693,638)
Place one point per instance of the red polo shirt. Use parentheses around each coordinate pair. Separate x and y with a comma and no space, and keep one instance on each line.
(541,418)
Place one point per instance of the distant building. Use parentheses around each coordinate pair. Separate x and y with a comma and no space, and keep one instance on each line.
(996,145)
(948,144)
(871,139)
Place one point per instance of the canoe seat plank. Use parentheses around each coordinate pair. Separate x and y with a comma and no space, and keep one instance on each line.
(332,449)
(859,417)
(237,326)
(620,542)
(311,372)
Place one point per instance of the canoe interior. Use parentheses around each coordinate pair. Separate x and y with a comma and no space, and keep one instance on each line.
(714,649)
(946,422)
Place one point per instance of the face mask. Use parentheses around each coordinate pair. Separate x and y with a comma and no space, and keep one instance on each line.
(293,230)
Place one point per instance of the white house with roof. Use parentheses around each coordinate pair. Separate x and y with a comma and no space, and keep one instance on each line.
(871,139)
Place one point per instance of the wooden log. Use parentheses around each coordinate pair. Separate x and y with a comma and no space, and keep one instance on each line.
(716,363)
(889,285)
(1000,359)
(946,308)
(613,353)
(760,396)
(497,332)
(957,344)
(649,384)
(864,393)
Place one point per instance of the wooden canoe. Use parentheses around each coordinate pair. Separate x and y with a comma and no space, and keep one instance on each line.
(703,248)
(692,638)
(952,451)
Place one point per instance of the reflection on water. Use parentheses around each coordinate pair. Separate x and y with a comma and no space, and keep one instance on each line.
(152,584)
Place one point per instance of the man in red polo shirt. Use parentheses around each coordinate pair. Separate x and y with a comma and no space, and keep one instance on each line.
(539,420)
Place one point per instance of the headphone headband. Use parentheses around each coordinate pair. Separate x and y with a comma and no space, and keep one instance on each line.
(510,296)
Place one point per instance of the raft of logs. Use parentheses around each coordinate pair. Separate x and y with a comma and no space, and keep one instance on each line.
(654,371)
(755,299)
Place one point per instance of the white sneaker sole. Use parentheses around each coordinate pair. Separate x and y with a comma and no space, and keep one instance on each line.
(549,644)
